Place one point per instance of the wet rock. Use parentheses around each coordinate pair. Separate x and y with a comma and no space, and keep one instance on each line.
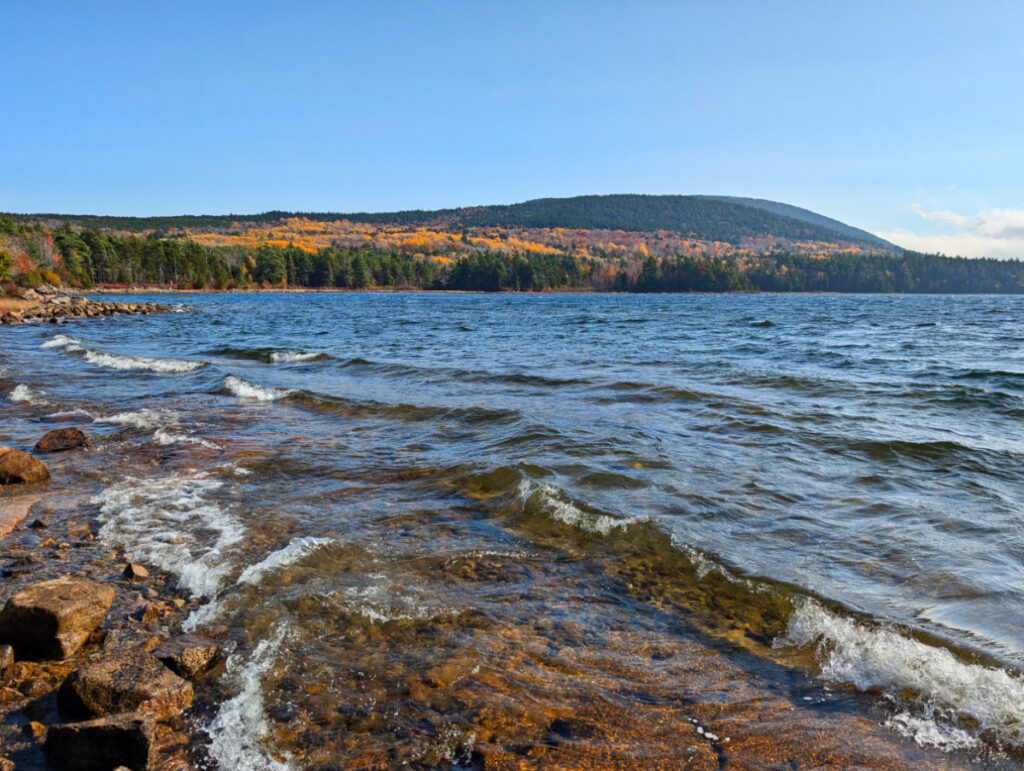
(128,681)
(53,619)
(188,656)
(100,745)
(17,467)
(34,729)
(33,689)
(61,439)
(135,571)
(38,524)
(10,695)
(6,658)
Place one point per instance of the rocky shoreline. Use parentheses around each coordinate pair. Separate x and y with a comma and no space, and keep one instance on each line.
(50,304)
(94,672)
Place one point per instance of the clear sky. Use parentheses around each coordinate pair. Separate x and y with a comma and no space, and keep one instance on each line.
(904,118)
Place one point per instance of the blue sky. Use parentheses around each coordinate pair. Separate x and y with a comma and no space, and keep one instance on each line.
(904,118)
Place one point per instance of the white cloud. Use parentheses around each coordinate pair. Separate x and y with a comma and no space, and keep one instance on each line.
(991,233)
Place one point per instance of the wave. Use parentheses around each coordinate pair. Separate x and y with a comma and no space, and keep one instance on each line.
(142,419)
(120,362)
(935,695)
(291,357)
(62,341)
(268,355)
(141,363)
(172,523)
(941,700)
(239,732)
(24,394)
(243,389)
(296,550)
(411,412)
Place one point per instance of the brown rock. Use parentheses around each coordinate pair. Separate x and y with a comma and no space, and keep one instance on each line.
(51,620)
(6,765)
(188,656)
(100,745)
(127,681)
(17,467)
(10,695)
(62,439)
(34,729)
(135,571)
(35,688)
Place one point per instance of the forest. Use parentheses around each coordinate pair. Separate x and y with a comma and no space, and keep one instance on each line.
(30,253)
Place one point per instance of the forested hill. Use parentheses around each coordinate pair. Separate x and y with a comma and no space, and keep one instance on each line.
(705,218)
(788,210)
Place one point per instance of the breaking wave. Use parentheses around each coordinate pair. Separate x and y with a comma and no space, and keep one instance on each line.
(941,700)
(243,389)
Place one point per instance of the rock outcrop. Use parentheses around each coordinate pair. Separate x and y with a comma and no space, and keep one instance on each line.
(100,745)
(188,656)
(17,467)
(49,306)
(127,681)
(61,439)
(51,620)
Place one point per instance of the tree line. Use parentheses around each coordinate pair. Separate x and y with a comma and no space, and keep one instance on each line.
(90,257)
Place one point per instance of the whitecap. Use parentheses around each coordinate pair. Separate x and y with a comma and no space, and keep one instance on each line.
(243,389)
(23,394)
(142,419)
(170,522)
(141,363)
(944,701)
(61,341)
(288,357)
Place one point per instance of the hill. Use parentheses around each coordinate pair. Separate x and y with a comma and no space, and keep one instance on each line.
(707,218)
(795,212)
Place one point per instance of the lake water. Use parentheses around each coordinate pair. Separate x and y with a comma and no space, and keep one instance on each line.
(568,530)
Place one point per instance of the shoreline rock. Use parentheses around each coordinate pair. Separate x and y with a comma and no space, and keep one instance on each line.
(17,467)
(62,439)
(53,619)
(28,304)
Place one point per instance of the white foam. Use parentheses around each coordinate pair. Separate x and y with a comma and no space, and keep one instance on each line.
(23,394)
(929,683)
(297,549)
(141,363)
(288,357)
(60,341)
(239,732)
(243,389)
(171,523)
(142,419)
(551,499)
(165,436)
(929,732)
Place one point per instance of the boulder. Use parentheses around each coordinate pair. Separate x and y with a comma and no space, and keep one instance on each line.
(17,467)
(62,439)
(188,656)
(100,745)
(127,681)
(134,571)
(51,620)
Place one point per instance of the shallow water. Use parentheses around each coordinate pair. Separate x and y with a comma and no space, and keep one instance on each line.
(568,530)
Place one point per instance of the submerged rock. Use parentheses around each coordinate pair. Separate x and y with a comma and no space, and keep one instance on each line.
(51,620)
(61,439)
(100,745)
(188,656)
(17,467)
(128,681)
